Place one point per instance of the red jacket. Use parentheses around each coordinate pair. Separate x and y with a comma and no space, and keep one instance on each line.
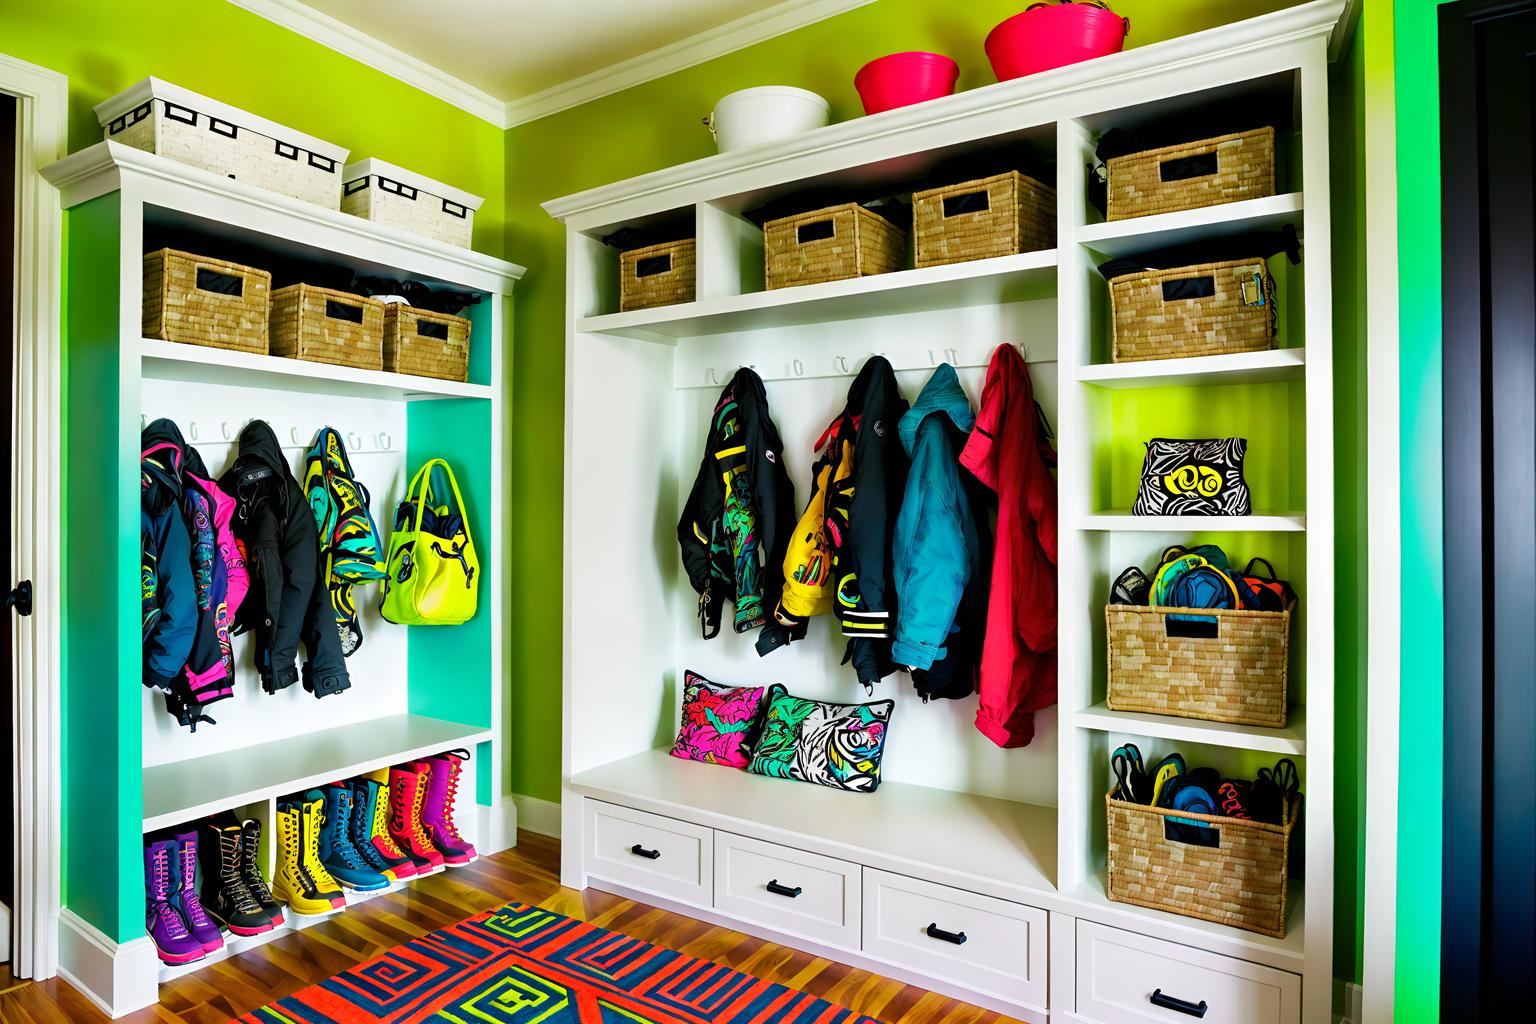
(1010,453)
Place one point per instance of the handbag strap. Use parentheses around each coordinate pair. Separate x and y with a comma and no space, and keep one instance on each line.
(422,482)
(458,498)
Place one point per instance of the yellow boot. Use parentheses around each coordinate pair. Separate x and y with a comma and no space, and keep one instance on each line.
(301,880)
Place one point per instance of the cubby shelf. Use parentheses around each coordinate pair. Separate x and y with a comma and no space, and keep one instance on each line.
(170,360)
(1273,522)
(1292,739)
(978,282)
(1279,364)
(1146,234)
(184,790)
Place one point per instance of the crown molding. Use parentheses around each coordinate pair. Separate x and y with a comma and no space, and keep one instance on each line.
(351,42)
(685,53)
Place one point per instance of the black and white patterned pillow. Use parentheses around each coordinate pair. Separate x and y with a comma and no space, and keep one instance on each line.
(1194,478)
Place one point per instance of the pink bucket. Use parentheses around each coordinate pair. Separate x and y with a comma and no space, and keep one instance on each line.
(1050,36)
(901,79)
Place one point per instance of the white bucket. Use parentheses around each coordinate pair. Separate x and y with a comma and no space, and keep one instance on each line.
(752,117)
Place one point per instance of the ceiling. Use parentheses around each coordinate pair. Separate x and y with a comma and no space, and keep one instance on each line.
(515,48)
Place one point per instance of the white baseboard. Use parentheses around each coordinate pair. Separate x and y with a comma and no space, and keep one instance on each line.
(497,827)
(538,816)
(1347,998)
(117,977)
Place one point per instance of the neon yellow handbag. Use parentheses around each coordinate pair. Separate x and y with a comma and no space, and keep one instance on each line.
(434,573)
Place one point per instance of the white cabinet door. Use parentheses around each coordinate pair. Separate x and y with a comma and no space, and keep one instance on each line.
(980,942)
(647,851)
(1126,978)
(788,890)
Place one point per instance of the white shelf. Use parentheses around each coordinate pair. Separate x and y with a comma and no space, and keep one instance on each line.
(1278,522)
(184,790)
(1292,739)
(1164,230)
(171,360)
(954,285)
(1279,364)
(1285,954)
(908,828)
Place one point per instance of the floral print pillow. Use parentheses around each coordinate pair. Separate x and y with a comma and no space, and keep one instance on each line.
(719,722)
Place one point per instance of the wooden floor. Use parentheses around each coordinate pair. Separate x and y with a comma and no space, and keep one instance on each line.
(530,873)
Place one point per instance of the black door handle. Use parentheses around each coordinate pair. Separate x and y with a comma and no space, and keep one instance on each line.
(784,890)
(935,932)
(640,851)
(1170,1003)
(20,598)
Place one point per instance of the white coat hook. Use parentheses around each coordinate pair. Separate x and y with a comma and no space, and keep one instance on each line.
(712,378)
(798,367)
(952,355)
(386,443)
(355,440)
(143,421)
(293,435)
(192,431)
(932,361)
(224,430)
(1024,351)
(842,364)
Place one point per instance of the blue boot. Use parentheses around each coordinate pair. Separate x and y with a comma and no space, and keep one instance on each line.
(337,852)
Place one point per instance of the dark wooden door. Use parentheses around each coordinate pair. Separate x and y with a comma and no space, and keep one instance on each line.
(1489,248)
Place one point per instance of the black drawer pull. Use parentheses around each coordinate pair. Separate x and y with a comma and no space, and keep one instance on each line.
(935,932)
(640,851)
(784,890)
(1170,1003)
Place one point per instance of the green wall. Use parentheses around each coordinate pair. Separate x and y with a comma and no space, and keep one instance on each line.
(229,54)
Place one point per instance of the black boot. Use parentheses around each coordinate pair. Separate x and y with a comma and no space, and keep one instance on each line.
(225,896)
(250,870)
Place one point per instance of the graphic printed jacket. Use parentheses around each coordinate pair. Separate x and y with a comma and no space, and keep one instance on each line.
(1010,452)
(168,604)
(735,523)
(287,601)
(942,537)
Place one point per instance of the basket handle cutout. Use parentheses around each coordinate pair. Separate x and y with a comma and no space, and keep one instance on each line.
(453,209)
(397,188)
(354,186)
(1192,627)
(967,202)
(432,329)
(223,128)
(1191,833)
(650,266)
(176,112)
(285,150)
(815,231)
(1183,168)
(219,283)
(1189,288)
(343,311)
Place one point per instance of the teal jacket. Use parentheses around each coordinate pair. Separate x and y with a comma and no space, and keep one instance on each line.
(936,547)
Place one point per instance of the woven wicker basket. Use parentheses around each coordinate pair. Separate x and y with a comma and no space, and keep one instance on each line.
(658,275)
(203,301)
(1225,169)
(326,326)
(425,343)
(1241,882)
(831,245)
(998,216)
(1231,666)
(1204,310)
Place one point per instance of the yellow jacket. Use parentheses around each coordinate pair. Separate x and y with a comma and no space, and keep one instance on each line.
(808,586)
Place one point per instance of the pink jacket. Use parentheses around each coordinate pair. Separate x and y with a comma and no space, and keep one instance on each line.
(1010,452)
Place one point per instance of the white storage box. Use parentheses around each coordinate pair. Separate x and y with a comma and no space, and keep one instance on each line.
(192,129)
(386,194)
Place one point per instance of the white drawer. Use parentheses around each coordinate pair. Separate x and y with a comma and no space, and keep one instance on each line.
(787,890)
(1120,973)
(661,855)
(1003,952)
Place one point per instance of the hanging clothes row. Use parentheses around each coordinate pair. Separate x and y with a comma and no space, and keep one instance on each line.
(897,538)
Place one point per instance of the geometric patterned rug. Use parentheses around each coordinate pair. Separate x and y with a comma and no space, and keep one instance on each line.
(523,965)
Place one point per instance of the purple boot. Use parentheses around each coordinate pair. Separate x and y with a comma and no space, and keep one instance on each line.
(202,926)
(173,940)
(437,811)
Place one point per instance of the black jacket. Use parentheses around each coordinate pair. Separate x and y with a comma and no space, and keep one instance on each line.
(866,590)
(287,601)
(737,519)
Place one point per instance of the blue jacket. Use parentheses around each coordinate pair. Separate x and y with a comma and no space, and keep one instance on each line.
(937,547)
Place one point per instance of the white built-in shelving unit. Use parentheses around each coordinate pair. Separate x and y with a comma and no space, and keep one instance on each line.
(416,691)
(1011,841)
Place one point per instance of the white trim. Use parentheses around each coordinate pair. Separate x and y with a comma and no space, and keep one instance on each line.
(41,130)
(541,817)
(735,35)
(497,826)
(365,49)
(1344,37)
(116,977)
(1384,453)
